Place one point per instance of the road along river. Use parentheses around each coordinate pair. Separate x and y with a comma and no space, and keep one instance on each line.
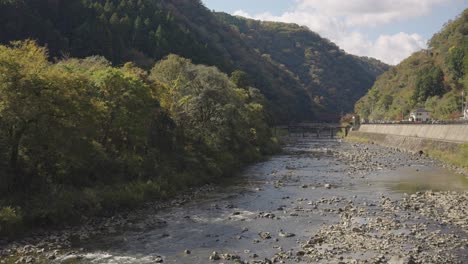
(318,202)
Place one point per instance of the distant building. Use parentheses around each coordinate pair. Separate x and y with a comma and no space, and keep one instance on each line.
(420,115)
(465,115)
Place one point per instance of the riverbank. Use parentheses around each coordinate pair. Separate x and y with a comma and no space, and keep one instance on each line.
(318,202)
(44,245)
(453,155)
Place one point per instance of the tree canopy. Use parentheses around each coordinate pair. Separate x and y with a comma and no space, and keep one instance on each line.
(73,131)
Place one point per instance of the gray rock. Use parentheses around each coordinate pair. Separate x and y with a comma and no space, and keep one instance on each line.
(265,235)
(215,256)
(284,234)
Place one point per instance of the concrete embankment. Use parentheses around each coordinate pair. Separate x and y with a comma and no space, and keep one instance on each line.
(412,144)
(455,132)
(415,138)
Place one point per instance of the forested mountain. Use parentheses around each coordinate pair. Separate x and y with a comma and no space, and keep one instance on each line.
(432,78)
(333,79)
(300,73)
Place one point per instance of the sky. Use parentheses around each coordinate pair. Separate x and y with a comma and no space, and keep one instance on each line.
(389,30)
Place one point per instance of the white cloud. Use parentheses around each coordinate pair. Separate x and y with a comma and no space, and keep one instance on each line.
(395,48)
(369,12)
(344,22)
(242,13)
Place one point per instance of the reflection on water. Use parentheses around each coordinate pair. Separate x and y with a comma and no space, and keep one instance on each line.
(422,178)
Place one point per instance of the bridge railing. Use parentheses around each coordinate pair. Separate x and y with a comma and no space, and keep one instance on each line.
(312,130)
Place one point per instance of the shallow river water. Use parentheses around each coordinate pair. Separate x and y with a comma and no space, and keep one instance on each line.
(273,206)
(276,196)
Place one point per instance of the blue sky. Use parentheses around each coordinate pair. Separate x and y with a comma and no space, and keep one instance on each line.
(389,30)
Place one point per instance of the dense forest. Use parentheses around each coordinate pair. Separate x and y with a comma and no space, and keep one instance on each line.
(78,136)
(432,78)
(301,74)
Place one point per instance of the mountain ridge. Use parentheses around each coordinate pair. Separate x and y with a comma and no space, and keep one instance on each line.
(146,31)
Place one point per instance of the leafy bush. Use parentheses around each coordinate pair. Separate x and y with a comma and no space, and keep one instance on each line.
(10,221)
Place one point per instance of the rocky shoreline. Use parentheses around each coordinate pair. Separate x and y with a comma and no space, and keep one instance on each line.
(422,227)
(45,246)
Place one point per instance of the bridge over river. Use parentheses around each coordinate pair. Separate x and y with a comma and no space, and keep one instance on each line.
(316,130)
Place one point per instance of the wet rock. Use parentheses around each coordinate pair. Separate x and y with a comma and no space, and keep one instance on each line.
(187,252)
(285,234)
(158,259)
(264,235)
(266,215)
(214,256)
(227,256)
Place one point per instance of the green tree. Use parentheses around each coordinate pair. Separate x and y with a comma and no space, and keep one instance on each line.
(240,79)
(429,83)
(114,21)
(456,64)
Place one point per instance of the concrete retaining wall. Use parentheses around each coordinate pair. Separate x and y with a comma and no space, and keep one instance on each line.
(456,133)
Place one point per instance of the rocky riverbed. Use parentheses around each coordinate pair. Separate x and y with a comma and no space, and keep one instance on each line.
(318,202)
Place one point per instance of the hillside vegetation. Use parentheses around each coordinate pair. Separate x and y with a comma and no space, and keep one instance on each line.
(334,79)
(299,73)
(432,78)
(79,136)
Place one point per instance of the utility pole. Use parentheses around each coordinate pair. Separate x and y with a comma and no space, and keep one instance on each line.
(463,102)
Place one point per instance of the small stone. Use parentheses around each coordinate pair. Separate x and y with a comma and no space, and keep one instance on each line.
(158,259)
(264,235)
(214,256)
(284,234)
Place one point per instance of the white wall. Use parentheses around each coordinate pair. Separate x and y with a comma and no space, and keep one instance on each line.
(458,133)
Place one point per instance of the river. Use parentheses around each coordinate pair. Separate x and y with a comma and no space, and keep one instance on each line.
(313,203)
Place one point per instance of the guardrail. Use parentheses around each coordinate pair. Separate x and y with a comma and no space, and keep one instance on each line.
(435,122)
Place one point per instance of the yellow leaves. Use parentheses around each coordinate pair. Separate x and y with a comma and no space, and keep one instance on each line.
(185,100)
(241,93)
(26,55)
(131,70)
(255,107)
